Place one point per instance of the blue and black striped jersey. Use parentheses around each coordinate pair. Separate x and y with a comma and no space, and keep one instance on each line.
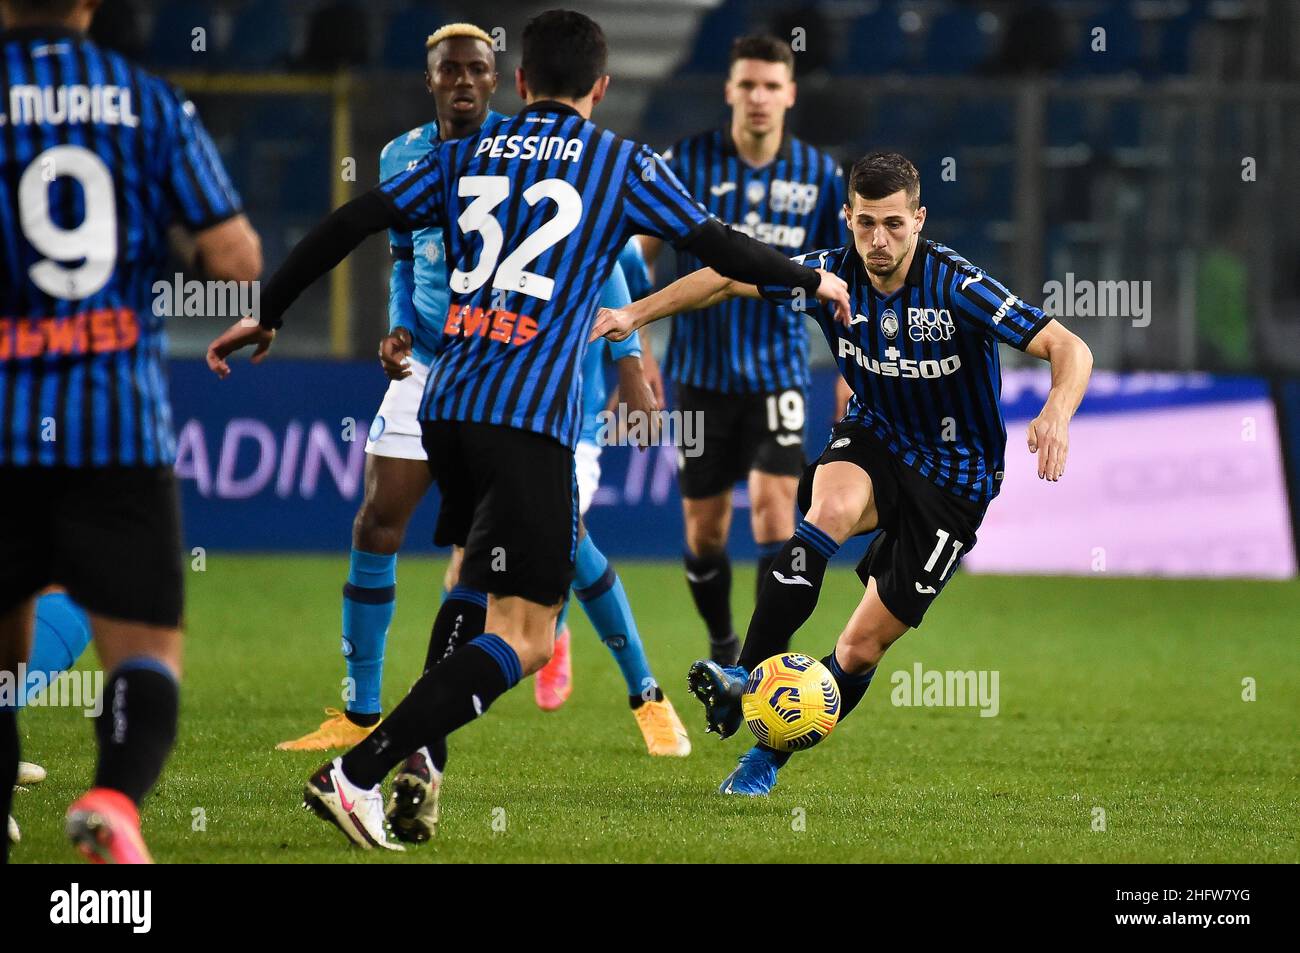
(535,211)
(923,362)
(97,159)
(417,286)
(744,346)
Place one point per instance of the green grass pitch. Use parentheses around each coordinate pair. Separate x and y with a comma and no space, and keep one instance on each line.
(1123,695)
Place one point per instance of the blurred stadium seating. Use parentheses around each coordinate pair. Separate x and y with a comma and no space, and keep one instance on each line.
(1100,137)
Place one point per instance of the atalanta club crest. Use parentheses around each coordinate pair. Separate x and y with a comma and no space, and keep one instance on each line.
(889,324)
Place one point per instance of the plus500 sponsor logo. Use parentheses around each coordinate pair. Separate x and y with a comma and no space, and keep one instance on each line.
(787,236)
(893,367)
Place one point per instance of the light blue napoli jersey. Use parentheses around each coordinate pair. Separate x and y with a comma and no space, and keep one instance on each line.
(417,288)
(628,281)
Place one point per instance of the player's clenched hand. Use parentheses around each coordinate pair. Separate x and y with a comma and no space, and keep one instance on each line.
(395,352)
(245,332)
(835,292)
(1049,437)
(613,323)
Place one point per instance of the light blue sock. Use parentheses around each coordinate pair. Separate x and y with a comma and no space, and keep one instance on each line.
(563,618)
(62,633)
(369,598)
(601,593)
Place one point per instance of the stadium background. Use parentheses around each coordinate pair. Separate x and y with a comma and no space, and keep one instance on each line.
(1163,158)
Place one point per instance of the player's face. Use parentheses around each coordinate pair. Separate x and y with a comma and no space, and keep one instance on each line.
(462,77)
(759,93)
(884,230)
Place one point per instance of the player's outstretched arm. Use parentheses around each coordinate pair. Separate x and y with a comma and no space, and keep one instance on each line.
(699,289)
(1071,361)
(319,251)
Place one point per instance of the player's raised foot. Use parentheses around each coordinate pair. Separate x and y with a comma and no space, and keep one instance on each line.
(413,804)
(719,690)
(104,827)
(336,731)
(554,681)
(754,776)
(15,835)
(726,652)
(663,731)
(358,812)
(29,774)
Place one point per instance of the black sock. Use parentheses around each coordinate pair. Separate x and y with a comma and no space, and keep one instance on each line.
(137,728)
(461,617)
(365,719)
(788,594)
(852,689)
(8,773)
(710,580)
(767,553)
(636,701)
(451,694)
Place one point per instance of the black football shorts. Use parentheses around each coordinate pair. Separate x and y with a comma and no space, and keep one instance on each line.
(924,530)
(510,498)
(740,432)
(111,536)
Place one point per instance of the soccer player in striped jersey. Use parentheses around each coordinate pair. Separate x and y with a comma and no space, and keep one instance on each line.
(743,364)
(98,158)
(460,73)
(536,210)
(918,455)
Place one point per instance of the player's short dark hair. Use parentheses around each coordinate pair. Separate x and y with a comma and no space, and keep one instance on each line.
(880,174)
(761,46)
(51,9)
(564,54)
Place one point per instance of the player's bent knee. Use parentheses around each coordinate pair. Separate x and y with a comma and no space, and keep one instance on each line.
(835,516)
(374,532)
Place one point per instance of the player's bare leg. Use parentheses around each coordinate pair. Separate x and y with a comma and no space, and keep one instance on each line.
(843,504)
(870,631)
(771,517)
(708,571)
(136,731)
(15,647)
(394,487)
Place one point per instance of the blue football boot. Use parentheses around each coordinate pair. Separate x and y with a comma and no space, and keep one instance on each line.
(719,690)
(755,776)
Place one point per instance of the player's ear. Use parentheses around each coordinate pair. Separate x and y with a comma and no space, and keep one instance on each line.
(598,91)
(521,87)
(920,220)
